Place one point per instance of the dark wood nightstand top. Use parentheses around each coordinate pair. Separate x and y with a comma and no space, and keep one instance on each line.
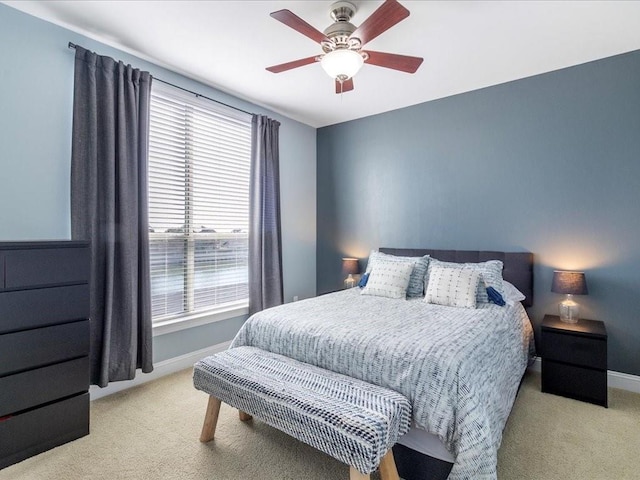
(590,328)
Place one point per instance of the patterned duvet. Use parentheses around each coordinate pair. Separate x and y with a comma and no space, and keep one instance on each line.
(459,368)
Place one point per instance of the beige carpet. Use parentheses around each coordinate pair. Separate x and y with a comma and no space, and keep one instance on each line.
(151,432)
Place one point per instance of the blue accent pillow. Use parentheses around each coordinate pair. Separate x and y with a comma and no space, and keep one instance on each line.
(363,280)
(495,297)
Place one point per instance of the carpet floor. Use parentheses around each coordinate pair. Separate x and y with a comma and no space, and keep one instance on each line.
(151,432)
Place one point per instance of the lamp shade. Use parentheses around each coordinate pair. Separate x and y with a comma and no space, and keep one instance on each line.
(572,283)
(342,63)
(350,265)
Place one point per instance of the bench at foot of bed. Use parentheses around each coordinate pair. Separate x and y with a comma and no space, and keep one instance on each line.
(353,421)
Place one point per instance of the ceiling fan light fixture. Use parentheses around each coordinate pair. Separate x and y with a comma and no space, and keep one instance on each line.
(342,64)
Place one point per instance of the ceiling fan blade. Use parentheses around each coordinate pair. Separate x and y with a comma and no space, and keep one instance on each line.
(403,63)
(385,17)
(289,65)
(290,19)
(345,86)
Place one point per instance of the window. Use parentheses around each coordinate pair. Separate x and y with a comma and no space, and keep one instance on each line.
(199,163)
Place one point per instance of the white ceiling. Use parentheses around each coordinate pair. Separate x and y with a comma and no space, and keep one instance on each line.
(466,45)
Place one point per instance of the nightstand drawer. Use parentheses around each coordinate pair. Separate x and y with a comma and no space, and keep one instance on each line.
(575,349)
(574,382)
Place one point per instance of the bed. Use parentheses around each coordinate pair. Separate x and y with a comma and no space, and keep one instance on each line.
(459,368)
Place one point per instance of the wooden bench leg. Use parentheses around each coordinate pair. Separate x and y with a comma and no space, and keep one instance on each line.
(388,470)
(244,416)
(210,419)
(356,475)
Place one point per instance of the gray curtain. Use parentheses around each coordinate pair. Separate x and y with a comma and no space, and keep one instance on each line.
(265,245)
(109,208)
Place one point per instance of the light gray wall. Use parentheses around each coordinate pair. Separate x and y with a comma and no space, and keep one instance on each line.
(548,164)
(36,93)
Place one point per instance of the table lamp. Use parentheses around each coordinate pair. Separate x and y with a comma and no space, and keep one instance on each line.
(350,267)
(569,283)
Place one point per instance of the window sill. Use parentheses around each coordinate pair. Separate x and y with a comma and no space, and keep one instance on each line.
(201,318)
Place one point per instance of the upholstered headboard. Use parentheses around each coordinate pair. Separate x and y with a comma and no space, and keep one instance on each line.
(518,266)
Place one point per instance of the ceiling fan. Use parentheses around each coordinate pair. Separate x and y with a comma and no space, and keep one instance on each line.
(342,42)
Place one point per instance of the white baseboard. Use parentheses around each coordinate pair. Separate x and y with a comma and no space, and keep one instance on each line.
(615,379)
(160,369)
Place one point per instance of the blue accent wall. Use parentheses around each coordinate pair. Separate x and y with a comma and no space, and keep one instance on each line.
(548,164)
(36,98)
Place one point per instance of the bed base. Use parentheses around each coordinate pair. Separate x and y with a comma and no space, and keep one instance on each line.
(414,465)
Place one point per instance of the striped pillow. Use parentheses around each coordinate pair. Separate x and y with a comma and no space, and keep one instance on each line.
(389,278)
(490,275)
(416,281)
(452,287)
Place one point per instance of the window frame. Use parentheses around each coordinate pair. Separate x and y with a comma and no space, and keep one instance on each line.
(224,311)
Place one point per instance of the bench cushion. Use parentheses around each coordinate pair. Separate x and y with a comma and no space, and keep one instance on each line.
(351,420)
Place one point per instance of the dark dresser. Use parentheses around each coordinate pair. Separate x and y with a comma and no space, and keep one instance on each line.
(574,359)
(44,346)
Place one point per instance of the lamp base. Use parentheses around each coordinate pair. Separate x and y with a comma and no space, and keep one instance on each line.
(349,282)
(569,310)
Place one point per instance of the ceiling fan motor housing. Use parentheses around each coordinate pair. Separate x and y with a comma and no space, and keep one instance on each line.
(340,31)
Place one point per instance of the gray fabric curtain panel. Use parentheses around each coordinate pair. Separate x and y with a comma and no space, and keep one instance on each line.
(109,208)
(265,243)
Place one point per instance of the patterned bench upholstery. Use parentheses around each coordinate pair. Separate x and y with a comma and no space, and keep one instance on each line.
(348,419)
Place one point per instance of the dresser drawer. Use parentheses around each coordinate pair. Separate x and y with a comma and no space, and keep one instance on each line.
(575,349)
(574,382)
(23,309)
(43,428)
(25,390)
(46,266)
(43,346)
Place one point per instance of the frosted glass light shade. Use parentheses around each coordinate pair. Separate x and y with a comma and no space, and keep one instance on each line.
(342,63)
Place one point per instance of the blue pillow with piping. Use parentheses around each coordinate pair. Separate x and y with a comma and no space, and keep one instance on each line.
(363,280)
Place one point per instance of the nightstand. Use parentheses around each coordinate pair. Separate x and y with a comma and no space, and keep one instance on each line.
(574,359)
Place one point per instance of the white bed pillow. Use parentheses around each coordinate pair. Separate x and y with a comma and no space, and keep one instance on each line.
(452,287)
(416,280)
(388,278)
(511,294)
(490,275)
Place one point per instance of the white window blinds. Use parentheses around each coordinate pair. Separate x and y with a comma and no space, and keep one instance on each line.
(199,162)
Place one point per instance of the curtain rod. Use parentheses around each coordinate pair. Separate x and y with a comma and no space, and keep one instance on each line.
(73,46)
